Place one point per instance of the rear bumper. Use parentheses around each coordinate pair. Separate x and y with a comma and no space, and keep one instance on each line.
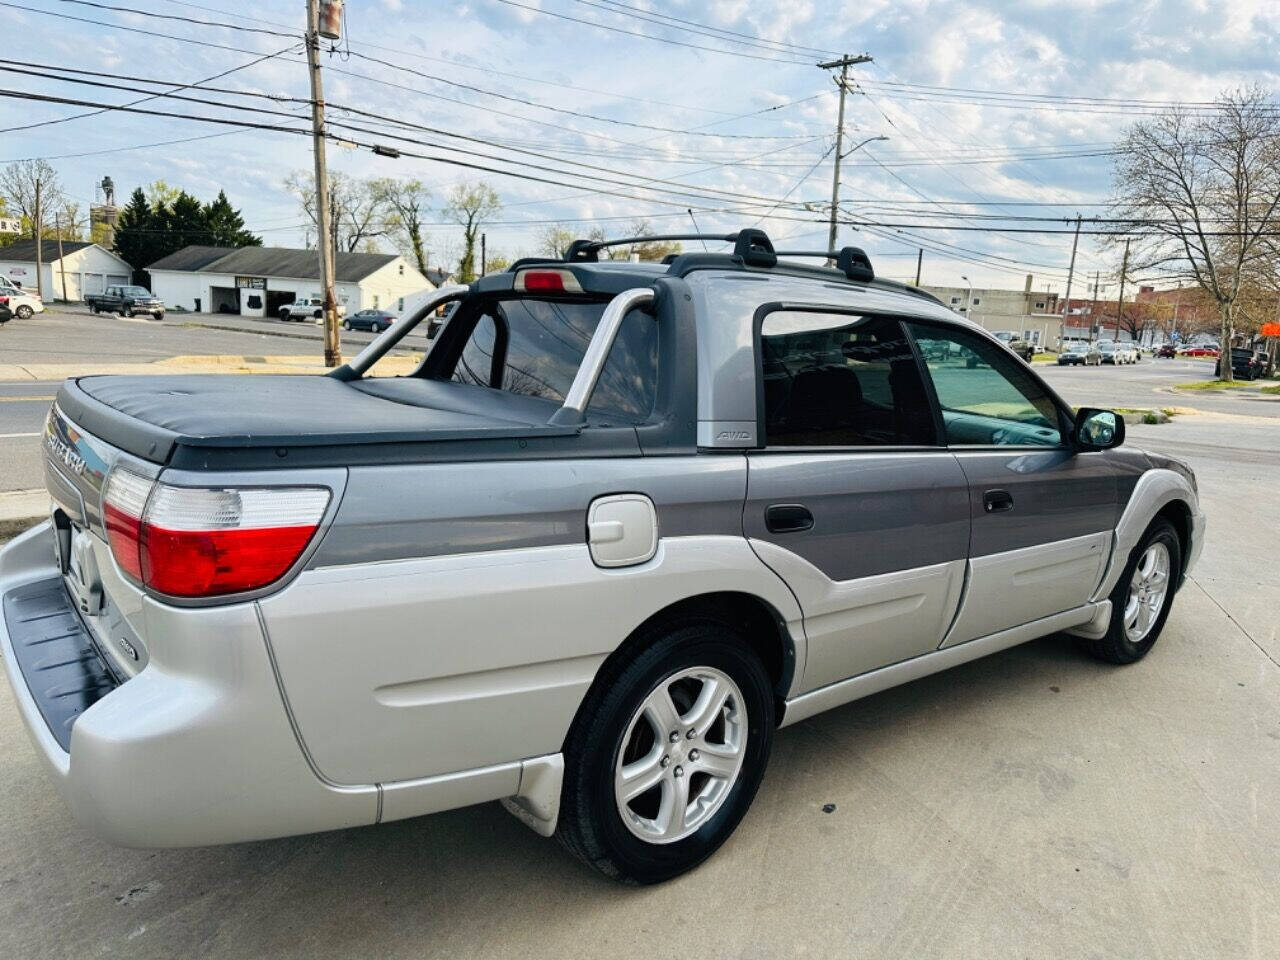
(196,749)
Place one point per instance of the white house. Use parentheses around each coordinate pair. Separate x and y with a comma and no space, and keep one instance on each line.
(84,267)
(257,281)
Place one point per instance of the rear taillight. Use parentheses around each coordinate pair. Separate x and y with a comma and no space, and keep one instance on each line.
(202,542)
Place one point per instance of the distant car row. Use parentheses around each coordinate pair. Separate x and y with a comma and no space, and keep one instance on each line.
(16,302)
(1096,353)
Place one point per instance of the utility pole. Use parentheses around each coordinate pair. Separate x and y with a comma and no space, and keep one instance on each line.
(484,256)
(332,345)
(1093,307)
(1066,307)
(1124,273)
(62,264)
(844,63)
(919,264)
(39,244)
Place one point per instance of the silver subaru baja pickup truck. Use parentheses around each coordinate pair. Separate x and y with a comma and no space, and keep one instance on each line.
(623,523)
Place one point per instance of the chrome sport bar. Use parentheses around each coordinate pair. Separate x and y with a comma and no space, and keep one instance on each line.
(383,344)
(573,412)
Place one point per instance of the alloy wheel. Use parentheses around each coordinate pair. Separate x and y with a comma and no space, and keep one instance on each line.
(1147,590)
(681,755)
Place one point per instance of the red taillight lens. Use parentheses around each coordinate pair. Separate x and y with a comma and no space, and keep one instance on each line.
(547,281)
(123,505)
(200,542)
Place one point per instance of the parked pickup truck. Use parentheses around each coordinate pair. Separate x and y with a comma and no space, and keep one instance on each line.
(308,308)
(624,522)
(126,301)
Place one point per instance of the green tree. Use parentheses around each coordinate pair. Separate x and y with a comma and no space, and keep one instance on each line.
(470,204)
(226,225)
(135,231)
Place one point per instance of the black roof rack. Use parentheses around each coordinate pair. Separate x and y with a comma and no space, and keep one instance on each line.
(853,262)
(589,250)
(751,248)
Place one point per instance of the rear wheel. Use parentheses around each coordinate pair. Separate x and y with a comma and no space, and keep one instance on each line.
(666,754)
(23,312)
(1142,597)
(126,311)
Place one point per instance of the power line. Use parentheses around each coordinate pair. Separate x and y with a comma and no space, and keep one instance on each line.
(169,16)
(799,48)
(645,36)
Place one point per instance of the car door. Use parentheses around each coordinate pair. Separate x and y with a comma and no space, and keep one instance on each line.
(853,500)
(1042,513)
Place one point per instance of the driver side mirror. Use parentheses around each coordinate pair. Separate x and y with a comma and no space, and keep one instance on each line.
(1098,429)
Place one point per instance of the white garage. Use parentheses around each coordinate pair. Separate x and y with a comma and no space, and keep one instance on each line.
(257,281)
(83,268)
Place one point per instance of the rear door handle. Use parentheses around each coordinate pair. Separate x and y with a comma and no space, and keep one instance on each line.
(788,518)
(997,501)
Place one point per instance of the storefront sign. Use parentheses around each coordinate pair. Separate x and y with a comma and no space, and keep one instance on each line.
(1271,329)
(251,283)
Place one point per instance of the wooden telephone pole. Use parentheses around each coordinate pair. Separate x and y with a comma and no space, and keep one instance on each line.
(39,229)
(332,345)
(844,63)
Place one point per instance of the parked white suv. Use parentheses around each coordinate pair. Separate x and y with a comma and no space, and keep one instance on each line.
(307,308)
(22,302)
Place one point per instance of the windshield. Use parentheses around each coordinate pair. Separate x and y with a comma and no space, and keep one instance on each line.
(137,292)
(534,348)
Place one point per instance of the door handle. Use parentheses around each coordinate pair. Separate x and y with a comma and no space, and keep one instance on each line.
(997,501)
(788,518)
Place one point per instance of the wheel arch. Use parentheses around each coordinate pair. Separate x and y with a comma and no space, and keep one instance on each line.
(1178,513)
(763,627)
(1160,492)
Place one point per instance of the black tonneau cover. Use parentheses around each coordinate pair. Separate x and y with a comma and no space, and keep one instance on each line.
(208,420)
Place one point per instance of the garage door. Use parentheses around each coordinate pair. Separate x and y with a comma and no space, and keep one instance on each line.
(93,283)
(114,279)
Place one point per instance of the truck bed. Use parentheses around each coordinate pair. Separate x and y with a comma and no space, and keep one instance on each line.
(245,421)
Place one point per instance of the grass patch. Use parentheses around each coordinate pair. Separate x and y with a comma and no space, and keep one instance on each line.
(1213,385)
(1272,390)
(1043,357)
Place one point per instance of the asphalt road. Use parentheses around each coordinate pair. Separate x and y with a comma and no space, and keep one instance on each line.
(1032,804)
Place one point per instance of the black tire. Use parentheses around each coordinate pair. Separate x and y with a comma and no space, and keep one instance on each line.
(319,314)
(23,312)
(1115,646)
(158,315)
(590,825)
(346,324)
(126,311)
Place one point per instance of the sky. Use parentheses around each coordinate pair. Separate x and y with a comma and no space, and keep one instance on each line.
(664,116)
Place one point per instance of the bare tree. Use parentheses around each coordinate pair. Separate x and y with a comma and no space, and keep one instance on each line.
(21,180)
(358,212)
(642,250)
(1203,189)
(554,240)
(407,201)
(470,204)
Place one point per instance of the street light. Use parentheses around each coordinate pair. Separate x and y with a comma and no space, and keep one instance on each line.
(835,186)
(968,306)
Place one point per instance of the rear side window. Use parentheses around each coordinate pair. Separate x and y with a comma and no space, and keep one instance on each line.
(840,380)
(534,348)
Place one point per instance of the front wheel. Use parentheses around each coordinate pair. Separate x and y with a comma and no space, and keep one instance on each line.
(1142,597)
(23,312)
(126,311)
(667,753)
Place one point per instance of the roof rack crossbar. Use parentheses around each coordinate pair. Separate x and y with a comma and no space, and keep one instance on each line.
(588,249)
(853,262)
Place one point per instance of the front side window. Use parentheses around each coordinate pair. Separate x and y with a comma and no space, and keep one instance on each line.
(841,380)
(541,344)
(988,396)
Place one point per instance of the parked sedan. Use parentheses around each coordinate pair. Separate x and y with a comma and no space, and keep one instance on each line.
(373,320)
(22,303)
(1200,350)
(1076,352)
(1166,351)
(1116,353)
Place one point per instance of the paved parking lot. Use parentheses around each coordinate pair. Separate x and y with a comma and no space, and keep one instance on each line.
(1032,804)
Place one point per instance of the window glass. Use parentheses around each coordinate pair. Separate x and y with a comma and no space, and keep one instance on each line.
(841,380)
(545,344)
(987,395)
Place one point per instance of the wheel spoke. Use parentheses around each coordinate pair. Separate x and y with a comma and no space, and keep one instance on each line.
(717,760)
(711,700)
(661,712)
(635,778)
(675,804)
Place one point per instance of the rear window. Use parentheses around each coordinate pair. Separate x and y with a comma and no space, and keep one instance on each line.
(534,348)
